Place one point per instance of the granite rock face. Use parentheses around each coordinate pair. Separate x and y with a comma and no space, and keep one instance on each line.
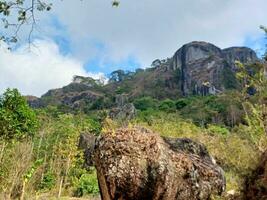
(137,164)
(206,69)
(241,54)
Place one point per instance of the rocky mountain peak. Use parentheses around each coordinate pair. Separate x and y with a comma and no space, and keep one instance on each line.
(194,51)
(205,68)
(197,68)
(242,54)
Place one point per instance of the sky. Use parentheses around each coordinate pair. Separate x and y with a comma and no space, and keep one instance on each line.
(92,38)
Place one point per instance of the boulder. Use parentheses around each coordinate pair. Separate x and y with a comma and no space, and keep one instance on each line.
(188,146)
(137,164)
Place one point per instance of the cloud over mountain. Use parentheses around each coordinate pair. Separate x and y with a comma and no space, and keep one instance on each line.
(38,70)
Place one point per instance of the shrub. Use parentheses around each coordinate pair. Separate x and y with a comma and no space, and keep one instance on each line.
(48,181)
(145,103)
(167,105)
(181,103)
(218,130)
(88,184)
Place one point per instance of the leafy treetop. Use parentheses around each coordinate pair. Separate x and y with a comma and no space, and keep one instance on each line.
(17,119)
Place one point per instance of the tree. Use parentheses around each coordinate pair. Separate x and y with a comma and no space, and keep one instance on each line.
(145,103)
(17,119)
(117,76)
(16,14)
(19,13)
(265,30)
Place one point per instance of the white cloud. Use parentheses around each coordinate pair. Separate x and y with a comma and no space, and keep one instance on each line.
(151,29)
(36,71)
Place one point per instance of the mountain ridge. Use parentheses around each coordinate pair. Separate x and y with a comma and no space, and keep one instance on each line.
(197,68)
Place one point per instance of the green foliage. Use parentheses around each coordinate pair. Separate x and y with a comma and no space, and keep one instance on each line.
(87,184)
(101,103)
(32,170)
(17,119)
(145,103)
(88,124)
(181,103)
(123,89)
(218,130)
(167,105)
(48,181)
(221,109)
(228,78)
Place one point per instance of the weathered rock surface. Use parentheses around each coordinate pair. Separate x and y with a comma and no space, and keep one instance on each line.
(123,110)
(34,102)
(241,54)
(188,146)
(256,185)
(137,164)
(206,68)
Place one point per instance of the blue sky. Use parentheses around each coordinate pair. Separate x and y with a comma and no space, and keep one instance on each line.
(92,64)
(96,64)
(91,38)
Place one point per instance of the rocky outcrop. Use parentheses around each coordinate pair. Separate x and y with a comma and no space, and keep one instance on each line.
(256,185)
(137,164)
(241,54)
(206,68)
(34,102)
(197,68)
(123,110)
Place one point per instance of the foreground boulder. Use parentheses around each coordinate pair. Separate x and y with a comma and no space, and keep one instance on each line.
(137,164)
(256,185)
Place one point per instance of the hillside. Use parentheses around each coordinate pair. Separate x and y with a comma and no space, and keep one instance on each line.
(197,68)
(175,99)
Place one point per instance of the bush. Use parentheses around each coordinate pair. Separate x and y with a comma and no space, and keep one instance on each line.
(48,181)
(167,106)
(181,103)
(218,130)
(88,184)
(145,103)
